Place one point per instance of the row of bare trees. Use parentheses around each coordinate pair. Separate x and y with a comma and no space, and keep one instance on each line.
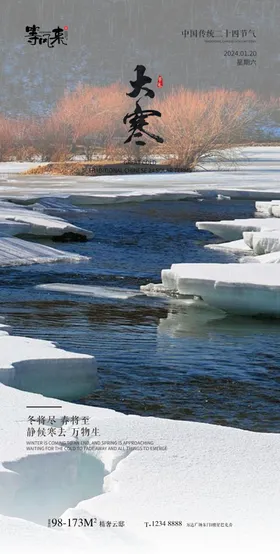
(88,121)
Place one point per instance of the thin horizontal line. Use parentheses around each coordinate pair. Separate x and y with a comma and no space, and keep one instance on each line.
(43,406)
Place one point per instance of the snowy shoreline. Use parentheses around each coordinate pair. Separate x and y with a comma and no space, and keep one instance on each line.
(255,176)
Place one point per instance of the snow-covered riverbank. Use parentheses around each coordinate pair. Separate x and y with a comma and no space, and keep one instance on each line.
(221,483)
(253,175)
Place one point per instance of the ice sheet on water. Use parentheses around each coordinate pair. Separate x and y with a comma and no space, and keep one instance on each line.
(271,258)
(234,288)
(38,366)
(263,242)
(271,208)
(14,251)
(12,228)
(94,291)
(258,243)
(153,289)
(233,229)
(57,205)
(223,197)
(232,246)
(36,223)
(141,195)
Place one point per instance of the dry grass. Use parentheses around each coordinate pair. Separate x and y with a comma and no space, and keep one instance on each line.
(101,168)
(70,168)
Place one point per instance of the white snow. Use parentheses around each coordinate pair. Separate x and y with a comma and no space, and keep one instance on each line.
(15,252)
(233,229)
(235,288)
(38,366)
(206,474)
(18,167)
(84,290)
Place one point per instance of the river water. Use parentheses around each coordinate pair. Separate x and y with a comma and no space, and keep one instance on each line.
(156,357)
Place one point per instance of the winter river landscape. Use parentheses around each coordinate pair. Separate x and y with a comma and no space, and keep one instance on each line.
(149,304)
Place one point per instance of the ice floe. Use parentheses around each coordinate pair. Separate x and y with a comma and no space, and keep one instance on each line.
(38,224)
(223,197)
(14,252)
(54,206)
(232,476)
(234,288)
(38,366)
(153,289)
(232,246)
(257,243)
(271,208)
(234,229)
(271,258)
(11,228)
(263,242)
(130,196)
(84,290)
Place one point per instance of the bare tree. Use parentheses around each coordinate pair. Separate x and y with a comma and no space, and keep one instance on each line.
(94,115)
(197,124)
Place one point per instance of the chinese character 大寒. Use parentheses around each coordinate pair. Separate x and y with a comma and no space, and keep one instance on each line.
(137,119)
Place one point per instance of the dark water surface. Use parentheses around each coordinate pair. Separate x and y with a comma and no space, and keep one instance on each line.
(156,357)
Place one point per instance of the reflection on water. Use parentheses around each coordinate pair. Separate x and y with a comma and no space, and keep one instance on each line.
(195,318)
(188,318)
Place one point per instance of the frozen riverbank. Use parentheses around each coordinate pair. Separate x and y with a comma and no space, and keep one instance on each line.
(253,176)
